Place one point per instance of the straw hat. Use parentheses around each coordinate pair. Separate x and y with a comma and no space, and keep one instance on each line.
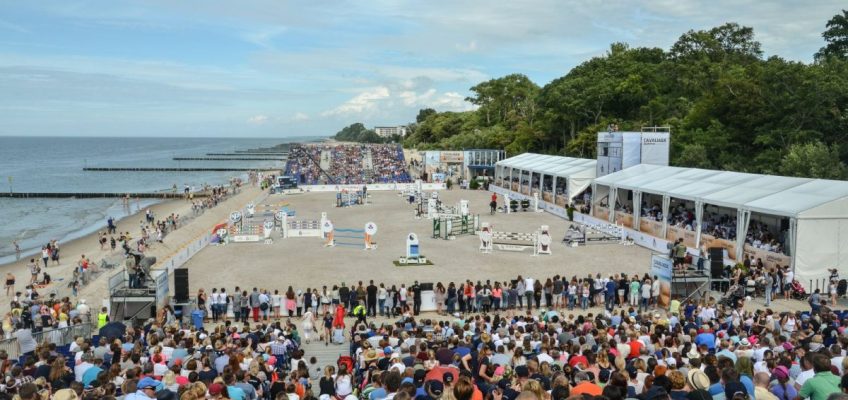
(370,355)
(697,379)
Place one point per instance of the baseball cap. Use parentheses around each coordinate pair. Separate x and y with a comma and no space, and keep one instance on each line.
(521,371)
(216,389)
(435,387)
(731,388)
(447,377)
(781,372)
(148,382)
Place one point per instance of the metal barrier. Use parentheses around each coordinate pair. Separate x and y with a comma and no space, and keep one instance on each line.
(60,337)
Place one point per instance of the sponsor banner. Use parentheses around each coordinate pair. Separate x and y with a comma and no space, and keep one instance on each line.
(650,227)
(655,148)
(661,267)
(729,245)
(244,238)
(547,196)
(602,213)
(770,258)
(372,187)
(451,157)
(625,219)
(674,233)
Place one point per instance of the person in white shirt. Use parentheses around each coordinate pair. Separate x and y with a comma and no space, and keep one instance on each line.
(788,277)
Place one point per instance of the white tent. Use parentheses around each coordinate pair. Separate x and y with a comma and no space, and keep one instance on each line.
(817,209)
(578,173)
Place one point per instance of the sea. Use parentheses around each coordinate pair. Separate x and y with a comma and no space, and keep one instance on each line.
(55,164)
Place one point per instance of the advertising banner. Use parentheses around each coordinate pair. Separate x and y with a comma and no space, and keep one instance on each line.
(674,233)
(451,157)
(770,259)
(729,245)
(661,267)
(650,227)
(655,148)
(622,218)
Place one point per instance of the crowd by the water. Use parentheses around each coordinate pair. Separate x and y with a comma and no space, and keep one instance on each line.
(346,164)
(488,340)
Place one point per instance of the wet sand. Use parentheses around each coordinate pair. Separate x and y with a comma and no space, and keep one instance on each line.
(97,290)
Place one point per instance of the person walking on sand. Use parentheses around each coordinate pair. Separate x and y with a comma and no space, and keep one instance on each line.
(33,270)
(10,283)
(55,252)
(45,255)
(17,250)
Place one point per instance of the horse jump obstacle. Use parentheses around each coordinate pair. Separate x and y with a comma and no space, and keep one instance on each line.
(539,241)
(366,234)
(450,226)
(243,231)
(303,228)
(345,198)
(596,234)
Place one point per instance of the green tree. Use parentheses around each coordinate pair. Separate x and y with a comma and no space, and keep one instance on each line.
(423,114)
(836,37)
(813,160)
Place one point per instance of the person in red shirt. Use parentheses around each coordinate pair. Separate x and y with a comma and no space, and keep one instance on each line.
(635,346)
(493,205)
(584,385)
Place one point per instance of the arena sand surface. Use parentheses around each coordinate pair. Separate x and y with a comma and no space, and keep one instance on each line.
(305,262)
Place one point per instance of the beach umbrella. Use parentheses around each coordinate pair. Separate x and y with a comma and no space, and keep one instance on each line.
(113,330)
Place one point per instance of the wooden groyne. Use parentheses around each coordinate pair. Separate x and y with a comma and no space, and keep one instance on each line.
(247,154)
(169,169)
(162,195)
(227,159)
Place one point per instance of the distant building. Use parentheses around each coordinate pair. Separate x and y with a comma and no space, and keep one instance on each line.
(389,131)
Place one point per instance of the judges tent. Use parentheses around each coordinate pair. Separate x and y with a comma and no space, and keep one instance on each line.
(560,178)
(815,211)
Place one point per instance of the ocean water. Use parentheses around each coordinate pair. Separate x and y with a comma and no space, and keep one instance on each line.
(55,164)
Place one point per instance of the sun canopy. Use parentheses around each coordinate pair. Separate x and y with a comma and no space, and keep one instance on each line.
(579,172)
(767,194)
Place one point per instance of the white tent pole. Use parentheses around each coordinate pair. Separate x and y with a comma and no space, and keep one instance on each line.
(793,240)
(613,197)
(743,219)
(666,202)
(637,209)
(699,216)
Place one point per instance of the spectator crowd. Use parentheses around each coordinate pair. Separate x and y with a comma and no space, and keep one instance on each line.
(488,340)
(313,164)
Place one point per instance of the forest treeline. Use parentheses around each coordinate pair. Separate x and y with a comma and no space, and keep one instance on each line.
(727,105)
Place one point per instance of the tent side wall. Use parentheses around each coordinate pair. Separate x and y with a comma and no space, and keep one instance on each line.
(822,244)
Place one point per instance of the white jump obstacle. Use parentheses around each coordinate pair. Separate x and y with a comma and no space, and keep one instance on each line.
(303,228)
(601,233)
(539,241)
(436,210)
(366,235)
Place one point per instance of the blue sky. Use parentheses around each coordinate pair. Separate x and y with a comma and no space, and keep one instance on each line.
(283,68)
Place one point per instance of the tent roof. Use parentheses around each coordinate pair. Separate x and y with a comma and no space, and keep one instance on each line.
(768,194)
(551,165)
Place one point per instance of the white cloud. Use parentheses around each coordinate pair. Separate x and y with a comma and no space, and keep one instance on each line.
(263,37)
(299,116)
(467,48)
(257,119)
(361,103)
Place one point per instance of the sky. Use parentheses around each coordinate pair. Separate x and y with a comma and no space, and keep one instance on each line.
(275,68)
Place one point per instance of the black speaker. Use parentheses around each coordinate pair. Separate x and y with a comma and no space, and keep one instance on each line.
(181,285)
(716,269)
(716,253)
(426,286)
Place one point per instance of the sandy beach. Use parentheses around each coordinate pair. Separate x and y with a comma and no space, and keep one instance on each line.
(96,290)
